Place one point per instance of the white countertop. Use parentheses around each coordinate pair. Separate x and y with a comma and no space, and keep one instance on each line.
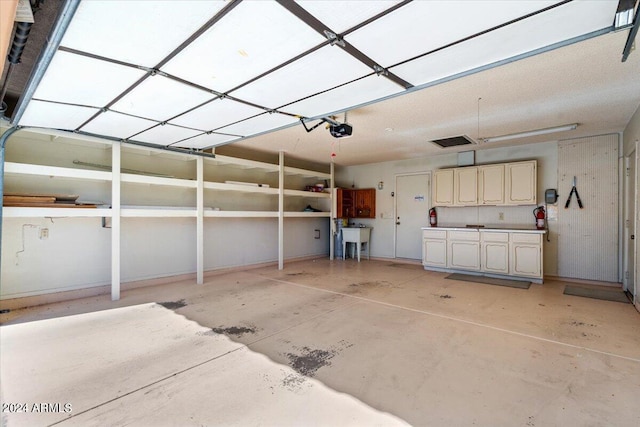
(510,228)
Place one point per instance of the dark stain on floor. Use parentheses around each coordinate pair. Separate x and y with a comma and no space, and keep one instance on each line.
(173,305)
(236,331)
(310,361)
(576,323)
(356,287)
(299,273)
(445,296)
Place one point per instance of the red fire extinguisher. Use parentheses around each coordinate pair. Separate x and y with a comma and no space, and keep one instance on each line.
(539,215)
(433,217)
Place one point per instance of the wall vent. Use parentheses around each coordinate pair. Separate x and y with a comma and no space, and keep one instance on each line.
(454,141)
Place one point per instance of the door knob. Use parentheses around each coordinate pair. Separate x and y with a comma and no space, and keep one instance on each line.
(397,222)
(633,236)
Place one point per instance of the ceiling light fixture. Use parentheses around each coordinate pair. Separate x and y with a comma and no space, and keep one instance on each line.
(530,133)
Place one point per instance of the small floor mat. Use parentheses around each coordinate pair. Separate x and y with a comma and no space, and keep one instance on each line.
(490,280)
(616,295)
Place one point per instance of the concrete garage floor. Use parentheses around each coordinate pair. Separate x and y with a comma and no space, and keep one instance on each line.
(325,343)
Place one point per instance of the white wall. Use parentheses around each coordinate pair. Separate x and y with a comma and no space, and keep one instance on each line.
(77,253)
(368,176)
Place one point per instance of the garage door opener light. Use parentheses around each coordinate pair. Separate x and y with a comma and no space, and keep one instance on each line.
(530,133)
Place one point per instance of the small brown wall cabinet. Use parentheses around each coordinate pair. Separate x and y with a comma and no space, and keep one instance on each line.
(359,203)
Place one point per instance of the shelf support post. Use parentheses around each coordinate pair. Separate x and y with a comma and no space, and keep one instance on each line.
(200,221)
(281,212)
(3,143)
(332,223)
(115,220)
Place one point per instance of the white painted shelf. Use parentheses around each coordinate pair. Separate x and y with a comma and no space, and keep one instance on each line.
(307,214)
(150,212)
(23,212)
(243,163)
(55,171)
(301,193)
(239,187)
(288,170)
(157,180)
(240,214)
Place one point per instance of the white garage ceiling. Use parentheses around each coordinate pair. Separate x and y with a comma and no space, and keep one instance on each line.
(198,74)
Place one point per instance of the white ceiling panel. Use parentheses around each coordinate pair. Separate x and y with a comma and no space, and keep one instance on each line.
(344,97)
(341,15)
(568,21)
(215,114)
(55,116)
(117,125)
(160,98)
(258,124)
(324,69)
(142,32)
(422,26)
(77,79)
(253,38)
(166,134)
(207,140)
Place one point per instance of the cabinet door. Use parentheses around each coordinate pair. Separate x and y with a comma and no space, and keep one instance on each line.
(495,257)
(464,255)
(372,202)
(443,187)
(491,185)
(434,253)
(465,186)
(521,183)
(365,203)
(526,260)
(345,207)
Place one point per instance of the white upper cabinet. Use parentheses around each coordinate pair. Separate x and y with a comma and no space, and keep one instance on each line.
(443,187)
(465,186)
(521,178)
(491,185)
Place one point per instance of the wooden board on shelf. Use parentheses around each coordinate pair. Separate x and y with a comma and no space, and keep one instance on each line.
(58,197)
(20,199)
(29,200)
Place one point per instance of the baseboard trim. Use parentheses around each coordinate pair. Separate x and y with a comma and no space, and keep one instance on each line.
(54,297)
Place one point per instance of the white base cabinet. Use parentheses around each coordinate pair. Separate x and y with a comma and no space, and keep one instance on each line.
(434,248)
(510,253)
(463,250)
(495,252)
(526,255)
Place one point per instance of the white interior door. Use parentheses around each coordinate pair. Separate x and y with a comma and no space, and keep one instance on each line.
(412,210)
(630,198)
